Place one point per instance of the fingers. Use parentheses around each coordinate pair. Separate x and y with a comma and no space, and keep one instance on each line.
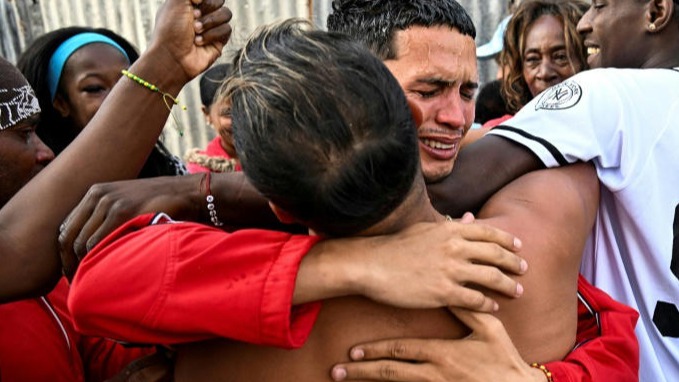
(384,361)
(399,349)
(70,231)
(380,371)
(218,37)
(483,232)
(490,246)
(481,324)
(472,299)
(489,277)
(207,6)
(211,24)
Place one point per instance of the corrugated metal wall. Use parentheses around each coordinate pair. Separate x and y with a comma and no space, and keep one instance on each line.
(22,20)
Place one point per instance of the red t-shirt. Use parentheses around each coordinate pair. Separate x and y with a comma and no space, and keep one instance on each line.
(38,343)
(183,282)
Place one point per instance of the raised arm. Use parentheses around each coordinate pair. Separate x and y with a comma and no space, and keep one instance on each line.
(113,146)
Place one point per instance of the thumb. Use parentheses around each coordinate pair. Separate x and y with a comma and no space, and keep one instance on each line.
(480,323)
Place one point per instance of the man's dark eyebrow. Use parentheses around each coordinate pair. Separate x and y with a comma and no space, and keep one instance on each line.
(438,82)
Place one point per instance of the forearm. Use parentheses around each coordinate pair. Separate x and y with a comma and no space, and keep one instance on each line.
(240,205)
(481,169)
(100,153)
(193,283)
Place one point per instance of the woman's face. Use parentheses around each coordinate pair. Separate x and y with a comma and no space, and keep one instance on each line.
(545,58)
(89,75)
(219,117)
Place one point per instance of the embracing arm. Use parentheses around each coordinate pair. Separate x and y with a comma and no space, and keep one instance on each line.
(481,169)
(607,350)
(174,283)
(125,128)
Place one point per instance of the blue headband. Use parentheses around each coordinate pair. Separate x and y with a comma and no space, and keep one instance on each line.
(66,49)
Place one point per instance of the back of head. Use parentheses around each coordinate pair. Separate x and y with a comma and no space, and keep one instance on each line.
(489,103)
(34,64)
(375,22)
(569,12)
(322,128)
(211,80)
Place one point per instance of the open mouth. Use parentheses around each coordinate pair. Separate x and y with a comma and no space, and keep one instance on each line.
(440,149)
(593,50)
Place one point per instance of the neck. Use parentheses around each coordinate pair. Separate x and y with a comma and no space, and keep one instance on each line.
(416,208)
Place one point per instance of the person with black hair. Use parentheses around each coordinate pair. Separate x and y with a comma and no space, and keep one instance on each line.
(489,102)
(402,35)
(344,163)
(220,154)
(37,338)
(72,70)
(620,116)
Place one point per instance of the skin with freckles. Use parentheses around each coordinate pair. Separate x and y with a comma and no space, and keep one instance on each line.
(436,68)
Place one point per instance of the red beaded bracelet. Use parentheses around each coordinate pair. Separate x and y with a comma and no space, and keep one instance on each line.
(544,369)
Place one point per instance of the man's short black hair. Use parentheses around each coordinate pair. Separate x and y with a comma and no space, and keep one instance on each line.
(375,22)
(322,128)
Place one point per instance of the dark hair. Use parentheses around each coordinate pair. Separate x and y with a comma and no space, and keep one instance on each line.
(56,131)
(322,128)
(489,103)
(210,82)
(375,22)
(514,88)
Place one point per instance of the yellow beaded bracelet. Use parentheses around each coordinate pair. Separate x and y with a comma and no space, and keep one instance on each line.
(167,97)
(544,369)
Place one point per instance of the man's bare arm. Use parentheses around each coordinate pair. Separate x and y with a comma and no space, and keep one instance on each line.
(481,169)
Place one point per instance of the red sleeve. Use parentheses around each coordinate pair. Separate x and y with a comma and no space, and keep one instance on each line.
(183,282)
(607,346)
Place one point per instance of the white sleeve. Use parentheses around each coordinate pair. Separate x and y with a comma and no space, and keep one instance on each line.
(579,119)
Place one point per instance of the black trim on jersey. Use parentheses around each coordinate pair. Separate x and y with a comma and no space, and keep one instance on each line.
(550,147)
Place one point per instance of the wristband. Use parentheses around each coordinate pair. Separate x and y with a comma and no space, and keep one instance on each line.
(210,199)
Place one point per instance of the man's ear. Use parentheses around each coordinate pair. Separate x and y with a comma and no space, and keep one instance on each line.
(416,112)
(61,106)
(282,215)
(659,14)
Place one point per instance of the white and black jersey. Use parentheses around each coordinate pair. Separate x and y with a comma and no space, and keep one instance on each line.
(626,122)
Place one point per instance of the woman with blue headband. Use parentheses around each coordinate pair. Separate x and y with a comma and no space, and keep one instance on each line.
(72,71)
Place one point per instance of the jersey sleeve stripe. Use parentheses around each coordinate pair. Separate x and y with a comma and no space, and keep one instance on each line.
(548,146)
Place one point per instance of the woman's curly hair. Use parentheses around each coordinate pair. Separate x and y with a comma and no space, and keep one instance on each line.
(514,87)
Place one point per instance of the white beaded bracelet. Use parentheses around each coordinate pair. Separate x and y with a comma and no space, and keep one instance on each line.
(210,199)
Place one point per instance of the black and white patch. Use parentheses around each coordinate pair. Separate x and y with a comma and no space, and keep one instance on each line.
(559,97)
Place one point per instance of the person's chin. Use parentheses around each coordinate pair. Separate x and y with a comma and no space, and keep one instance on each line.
(435,174)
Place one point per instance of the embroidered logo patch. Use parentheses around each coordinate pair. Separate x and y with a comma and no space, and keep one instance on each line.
(559,97)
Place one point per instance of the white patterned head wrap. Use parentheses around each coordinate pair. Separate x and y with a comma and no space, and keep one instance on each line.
(17,99)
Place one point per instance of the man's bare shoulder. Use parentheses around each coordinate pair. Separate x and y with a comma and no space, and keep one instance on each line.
(555,190)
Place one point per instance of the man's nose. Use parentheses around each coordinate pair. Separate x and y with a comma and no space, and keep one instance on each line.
(43,154)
